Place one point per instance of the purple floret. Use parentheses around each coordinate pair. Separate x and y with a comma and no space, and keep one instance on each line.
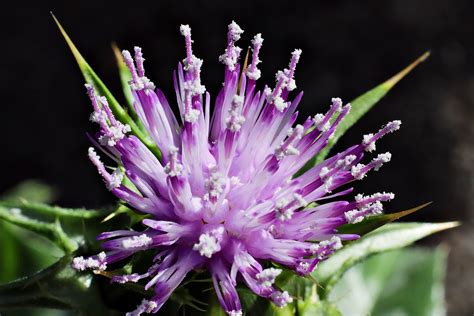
(224,197)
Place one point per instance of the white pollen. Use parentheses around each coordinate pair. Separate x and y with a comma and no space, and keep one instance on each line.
(235,121)
(353,216)
(328,184)
(192,116)
(381,159)
(394,125)
(324,171)
(267,277)
(141,84)
(235,30)
(255,74)
(99,264)
(177,170)
(238,100)
(185,30)
(95,117)
(137,242)
(215,184)
(318,119)
(385,157)
(194,87)
(267,91)
(336,241)
(359,197)
(280,104)
(283,213)
(291,85)
(369,146)
(257,39)
(297,54)
(291,151)
(144,307)
(116,179)
(209,243)
(356,171)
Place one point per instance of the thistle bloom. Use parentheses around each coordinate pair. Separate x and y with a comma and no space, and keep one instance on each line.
(223,196)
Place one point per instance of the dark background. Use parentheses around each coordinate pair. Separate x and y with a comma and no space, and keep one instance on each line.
(348,48)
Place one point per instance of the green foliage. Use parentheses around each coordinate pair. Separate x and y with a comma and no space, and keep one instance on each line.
(59,287)
(92,78)
(13,248)
(361,278)
(400,282)
(388,237)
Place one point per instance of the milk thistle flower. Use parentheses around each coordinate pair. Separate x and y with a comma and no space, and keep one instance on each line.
(223,195)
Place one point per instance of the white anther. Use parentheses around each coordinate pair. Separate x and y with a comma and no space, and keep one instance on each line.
(116,179)
(369,146)
(267,277)
(209,243)
(356,171)
(192,115)
(185,30)
(137,242)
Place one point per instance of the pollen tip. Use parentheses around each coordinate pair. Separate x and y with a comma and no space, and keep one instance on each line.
(185,30)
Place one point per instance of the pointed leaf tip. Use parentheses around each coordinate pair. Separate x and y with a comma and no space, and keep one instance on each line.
(388,237)
(399,76)
(80,60)
(92,78)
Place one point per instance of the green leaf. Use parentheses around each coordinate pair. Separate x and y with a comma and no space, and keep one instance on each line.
(51,231)
(305,295)
(388,237)
(31,190)
(373,222)
(400,282)
(360,106)
(92,78)
(125,77)
(319,308)
(14,251)
(57,286)
(55,211)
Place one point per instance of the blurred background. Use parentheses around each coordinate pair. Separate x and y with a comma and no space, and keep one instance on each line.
(348,48)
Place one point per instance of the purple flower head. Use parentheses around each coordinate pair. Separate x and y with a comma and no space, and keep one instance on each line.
(223,196)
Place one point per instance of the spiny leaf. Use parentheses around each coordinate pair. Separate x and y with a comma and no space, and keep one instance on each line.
(51,231)
(16,243)
(373,222)
(360,106)
(388,237)
(31,190)
(404,281)
(91,77)
(56,211)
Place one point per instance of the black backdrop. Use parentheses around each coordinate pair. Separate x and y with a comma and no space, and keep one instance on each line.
(348,47)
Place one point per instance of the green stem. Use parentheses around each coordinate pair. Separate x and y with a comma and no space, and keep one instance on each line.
(52,210)
(51,231)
